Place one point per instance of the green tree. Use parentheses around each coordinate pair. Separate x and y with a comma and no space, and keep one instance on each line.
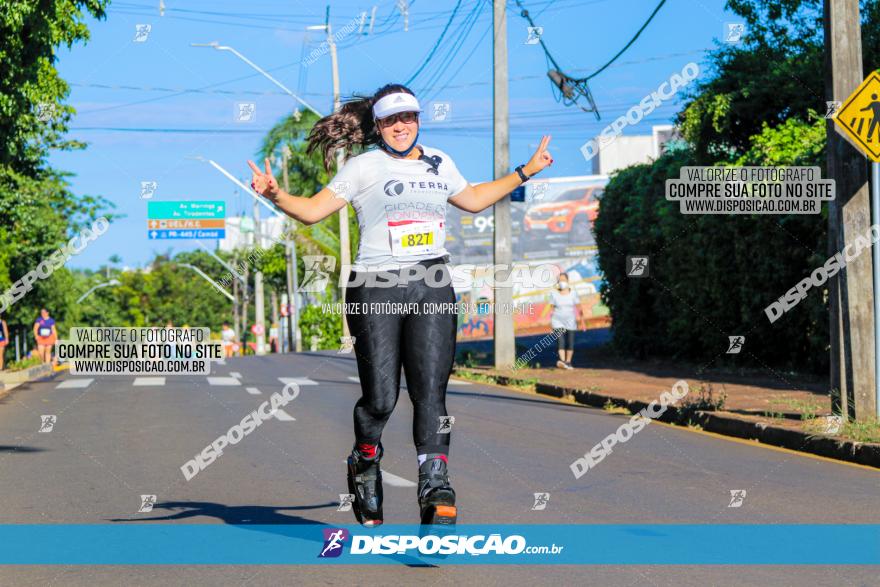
(775,74)
(713,275)
(306,176)
(38,212)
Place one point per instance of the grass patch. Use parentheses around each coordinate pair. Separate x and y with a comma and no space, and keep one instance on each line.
(861,431)
(475,376)
(24,364)
(524,384)
(774,415)
(613,408)
(807,410)
(706,400)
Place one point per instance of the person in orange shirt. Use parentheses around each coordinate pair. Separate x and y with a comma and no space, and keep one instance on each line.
(46,335)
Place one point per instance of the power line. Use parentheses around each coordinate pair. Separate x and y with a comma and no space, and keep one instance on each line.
(570,89)
(463,63)
(631,41)
(436,45)
(527,128)
(323,94)
(456,45)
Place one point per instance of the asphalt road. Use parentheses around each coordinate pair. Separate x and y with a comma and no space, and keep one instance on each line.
(116,438)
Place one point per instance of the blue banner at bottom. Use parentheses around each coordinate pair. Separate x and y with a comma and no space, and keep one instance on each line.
(607,544)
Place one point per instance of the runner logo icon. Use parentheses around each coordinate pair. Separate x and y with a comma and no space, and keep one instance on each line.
(333,539)
(394,188)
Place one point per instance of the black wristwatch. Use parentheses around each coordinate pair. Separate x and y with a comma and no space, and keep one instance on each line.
(521,173)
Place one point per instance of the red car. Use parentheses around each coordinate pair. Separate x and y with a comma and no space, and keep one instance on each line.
(573,210)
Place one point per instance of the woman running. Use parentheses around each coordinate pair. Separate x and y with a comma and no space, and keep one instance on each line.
(399,192)
(45,334)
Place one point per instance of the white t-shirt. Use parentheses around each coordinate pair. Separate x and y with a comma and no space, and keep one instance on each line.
(564,313)
(400,205)
(227,335)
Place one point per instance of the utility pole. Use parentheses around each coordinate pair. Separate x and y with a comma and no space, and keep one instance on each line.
(344,248)
(244,307)
(235,303)
(260,302)
(505,343)
(293,337)
(851,296)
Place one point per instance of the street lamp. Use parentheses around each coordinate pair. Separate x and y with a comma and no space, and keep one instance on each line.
(264,73)
(290,244)
(236,181)
(216,285)
(112,282)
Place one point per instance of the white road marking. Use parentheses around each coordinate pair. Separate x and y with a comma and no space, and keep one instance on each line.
(253,391)
(220,361)
(394,480)
(148,381)
(74,383)
(223,381)
(298,380)
(283,416)
(236,374)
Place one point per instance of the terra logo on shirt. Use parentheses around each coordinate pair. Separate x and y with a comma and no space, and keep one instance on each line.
(394,188)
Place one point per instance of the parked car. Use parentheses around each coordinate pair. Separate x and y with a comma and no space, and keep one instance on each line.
(573,211)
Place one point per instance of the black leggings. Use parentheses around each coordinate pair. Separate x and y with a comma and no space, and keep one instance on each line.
(565,342)
(422,342)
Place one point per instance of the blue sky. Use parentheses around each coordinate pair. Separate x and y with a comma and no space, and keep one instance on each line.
(120,87)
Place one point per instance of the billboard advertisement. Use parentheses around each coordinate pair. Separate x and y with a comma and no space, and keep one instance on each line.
(551,228)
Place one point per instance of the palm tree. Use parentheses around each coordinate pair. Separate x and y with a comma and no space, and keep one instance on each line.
(306,176)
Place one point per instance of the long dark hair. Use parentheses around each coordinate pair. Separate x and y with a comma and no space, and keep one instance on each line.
(352,126)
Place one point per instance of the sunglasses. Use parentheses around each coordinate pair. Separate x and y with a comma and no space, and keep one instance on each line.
(404,117)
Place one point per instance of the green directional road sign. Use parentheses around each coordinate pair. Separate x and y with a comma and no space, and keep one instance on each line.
(186,209)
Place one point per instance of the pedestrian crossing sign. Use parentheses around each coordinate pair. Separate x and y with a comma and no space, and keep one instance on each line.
(859,117)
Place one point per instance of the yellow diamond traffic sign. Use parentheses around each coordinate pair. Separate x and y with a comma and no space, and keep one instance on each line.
(859,117)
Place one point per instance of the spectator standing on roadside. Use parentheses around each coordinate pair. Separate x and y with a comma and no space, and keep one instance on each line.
(227,336)
(4,340)
(45,334)
(274,341)
(564,319)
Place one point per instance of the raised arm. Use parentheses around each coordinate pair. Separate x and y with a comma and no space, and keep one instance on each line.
(306,210)
(478,198)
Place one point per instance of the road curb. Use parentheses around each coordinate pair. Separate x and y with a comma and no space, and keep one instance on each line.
(720,423)
(12,380)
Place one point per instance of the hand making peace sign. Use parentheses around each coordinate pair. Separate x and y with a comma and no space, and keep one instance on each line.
(264,184)
(540,159)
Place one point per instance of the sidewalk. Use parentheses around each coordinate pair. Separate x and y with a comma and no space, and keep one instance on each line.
(9,380)
(782,410)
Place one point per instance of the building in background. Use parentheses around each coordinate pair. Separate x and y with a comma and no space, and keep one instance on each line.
(628,150)
(240,232)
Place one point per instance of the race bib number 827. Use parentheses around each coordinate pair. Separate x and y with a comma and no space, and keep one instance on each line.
(417,238)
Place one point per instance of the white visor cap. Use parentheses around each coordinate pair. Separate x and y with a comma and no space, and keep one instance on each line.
(394,103)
